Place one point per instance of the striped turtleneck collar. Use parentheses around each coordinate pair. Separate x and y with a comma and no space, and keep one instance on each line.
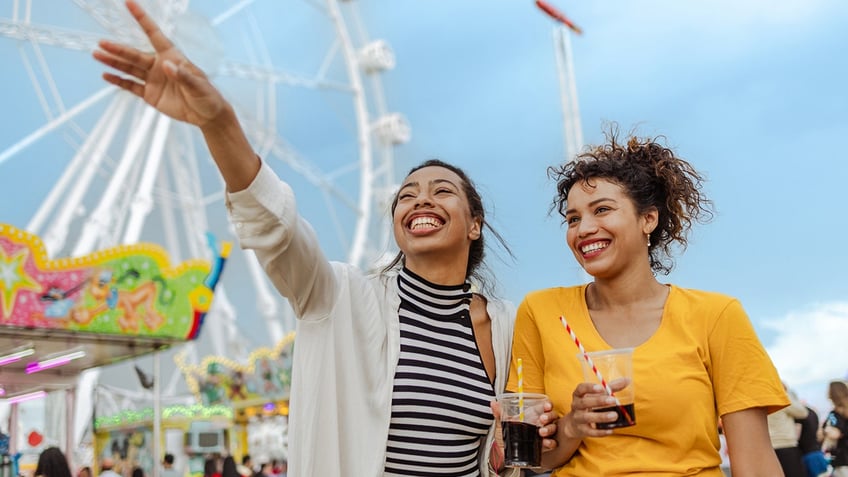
(444,300)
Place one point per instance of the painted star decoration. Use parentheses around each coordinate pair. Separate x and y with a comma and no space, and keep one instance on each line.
(13,278)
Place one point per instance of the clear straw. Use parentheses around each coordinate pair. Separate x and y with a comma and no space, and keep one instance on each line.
(594,369)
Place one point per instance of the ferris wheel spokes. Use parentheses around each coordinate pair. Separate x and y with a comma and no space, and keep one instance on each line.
(142,202)
(102,218)
(135,176)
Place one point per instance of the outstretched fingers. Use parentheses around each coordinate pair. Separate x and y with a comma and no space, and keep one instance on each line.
(158,39)
(125,84)
(124,59)
(128,54)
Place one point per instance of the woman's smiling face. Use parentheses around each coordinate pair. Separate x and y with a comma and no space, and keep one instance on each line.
(433,214)
(605,232)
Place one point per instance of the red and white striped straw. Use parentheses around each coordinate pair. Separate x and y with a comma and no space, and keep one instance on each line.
(594,368)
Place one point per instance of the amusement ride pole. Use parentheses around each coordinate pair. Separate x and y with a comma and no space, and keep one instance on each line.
(572,128)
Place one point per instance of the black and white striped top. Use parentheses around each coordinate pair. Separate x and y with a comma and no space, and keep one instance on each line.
(440,402)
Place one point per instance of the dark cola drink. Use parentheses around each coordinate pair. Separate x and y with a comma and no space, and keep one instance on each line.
(522,444)
(623,420)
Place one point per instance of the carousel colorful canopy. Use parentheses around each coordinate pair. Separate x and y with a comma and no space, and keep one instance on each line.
(59,317)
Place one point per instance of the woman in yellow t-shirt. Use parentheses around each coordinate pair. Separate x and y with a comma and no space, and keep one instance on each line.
(696,356)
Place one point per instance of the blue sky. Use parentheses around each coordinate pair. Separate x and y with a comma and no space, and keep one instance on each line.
(752,93)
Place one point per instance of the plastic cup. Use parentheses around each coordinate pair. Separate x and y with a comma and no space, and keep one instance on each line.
(522,442)
(614,366)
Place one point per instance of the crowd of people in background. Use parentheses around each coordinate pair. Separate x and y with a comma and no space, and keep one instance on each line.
(52,462)
(227,467)
(807,446)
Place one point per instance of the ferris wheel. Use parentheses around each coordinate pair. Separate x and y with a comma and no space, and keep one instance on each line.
(88,166)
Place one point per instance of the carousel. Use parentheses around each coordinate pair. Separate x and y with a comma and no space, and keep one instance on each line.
(61,317)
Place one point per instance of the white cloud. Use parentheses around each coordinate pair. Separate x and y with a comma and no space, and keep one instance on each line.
(809,349)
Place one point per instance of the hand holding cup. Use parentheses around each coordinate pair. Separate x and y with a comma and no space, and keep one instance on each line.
(584,420)
(527,426)
(163,78)
(612,370)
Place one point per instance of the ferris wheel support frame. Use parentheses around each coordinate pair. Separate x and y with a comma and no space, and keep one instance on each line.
(357,248)
(142,203)
(87,160)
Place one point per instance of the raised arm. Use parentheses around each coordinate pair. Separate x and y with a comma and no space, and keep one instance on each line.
(268,224)
(168,81)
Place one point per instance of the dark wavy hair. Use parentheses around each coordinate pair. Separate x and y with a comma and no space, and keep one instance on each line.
(652,176)
(52,463)
(477,252)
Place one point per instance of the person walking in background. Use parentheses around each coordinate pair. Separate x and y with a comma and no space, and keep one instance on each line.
(809,442)
(264,470)
(106,468)
(52,463)
(783,433)
(835,428)
(137,472)
(275,468)
(168,469)
(210,467)
(229,468)
(246,467)
(387,363)
(696,356)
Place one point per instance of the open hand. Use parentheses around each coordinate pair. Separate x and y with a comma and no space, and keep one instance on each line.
(164,79)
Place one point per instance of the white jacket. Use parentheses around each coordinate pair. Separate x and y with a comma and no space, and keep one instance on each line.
(347,342)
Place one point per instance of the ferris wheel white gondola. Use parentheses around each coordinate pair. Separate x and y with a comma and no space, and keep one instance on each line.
(103,169)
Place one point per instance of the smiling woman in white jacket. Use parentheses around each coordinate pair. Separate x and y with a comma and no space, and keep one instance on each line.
(394,371)
(348,344)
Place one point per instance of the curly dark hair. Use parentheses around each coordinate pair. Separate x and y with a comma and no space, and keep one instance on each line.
(477,251)
(652,176)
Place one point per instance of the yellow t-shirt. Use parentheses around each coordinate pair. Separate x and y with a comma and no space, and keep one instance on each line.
(704,361)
